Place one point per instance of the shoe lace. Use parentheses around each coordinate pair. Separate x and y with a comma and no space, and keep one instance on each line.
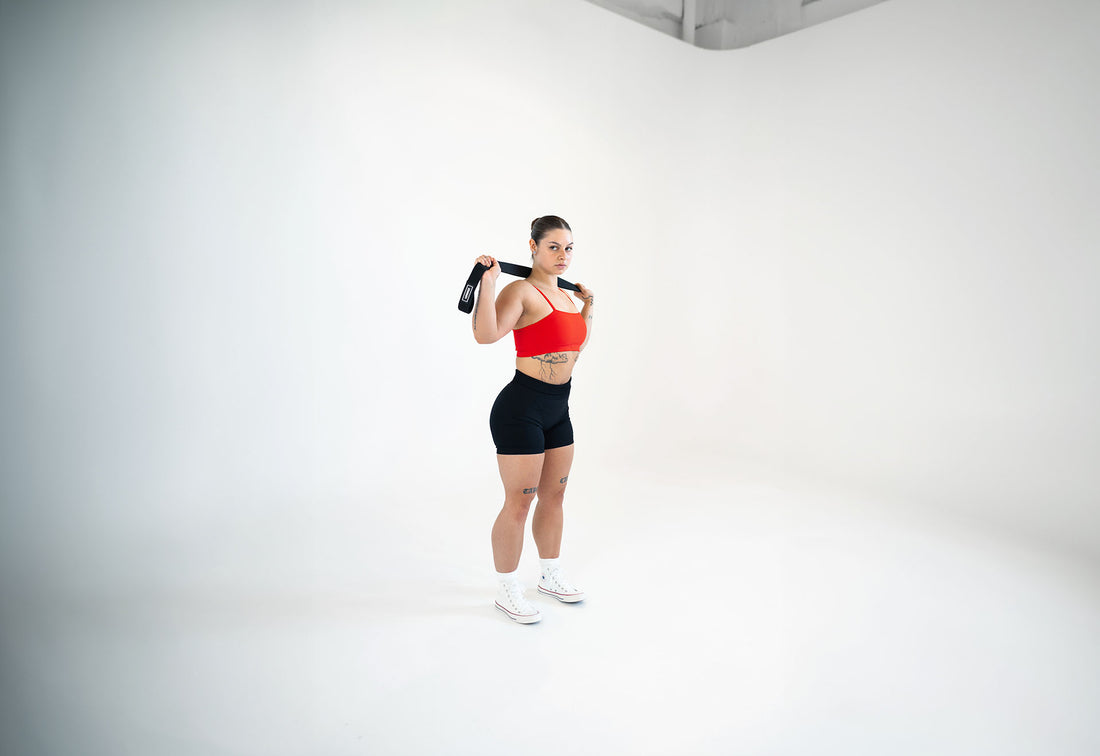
(515,595)
(554,577)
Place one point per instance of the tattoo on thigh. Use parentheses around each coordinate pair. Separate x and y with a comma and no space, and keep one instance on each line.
(530,490)
(564,479)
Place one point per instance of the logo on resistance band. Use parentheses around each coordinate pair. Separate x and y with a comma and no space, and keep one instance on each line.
(467,293)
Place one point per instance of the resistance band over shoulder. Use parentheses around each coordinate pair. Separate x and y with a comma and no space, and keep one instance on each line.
(466,302)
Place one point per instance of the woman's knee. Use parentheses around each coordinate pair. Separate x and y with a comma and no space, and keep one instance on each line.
(554,496)
(520,501)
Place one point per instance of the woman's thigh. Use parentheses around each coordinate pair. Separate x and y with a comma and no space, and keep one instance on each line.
(520,473)
(555,471)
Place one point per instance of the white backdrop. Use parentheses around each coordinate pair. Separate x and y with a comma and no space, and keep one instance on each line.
(861,255)
(859,259)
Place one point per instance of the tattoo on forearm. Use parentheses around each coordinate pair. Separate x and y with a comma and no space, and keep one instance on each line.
(564,479)
(548,361)
(477,304)
(530,490)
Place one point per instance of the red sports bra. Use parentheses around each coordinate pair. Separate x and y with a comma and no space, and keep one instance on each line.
(560,331)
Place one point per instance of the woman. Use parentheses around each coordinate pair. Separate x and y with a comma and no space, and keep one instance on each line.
(530,418)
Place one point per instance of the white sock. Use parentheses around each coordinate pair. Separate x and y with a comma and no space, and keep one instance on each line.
(507,578)
(546,563)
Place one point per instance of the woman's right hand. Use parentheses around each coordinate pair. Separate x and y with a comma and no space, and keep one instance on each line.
(494,268)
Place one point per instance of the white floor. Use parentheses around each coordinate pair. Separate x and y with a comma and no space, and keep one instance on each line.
(723,618)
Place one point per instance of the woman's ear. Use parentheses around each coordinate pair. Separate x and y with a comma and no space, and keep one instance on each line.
(533,247)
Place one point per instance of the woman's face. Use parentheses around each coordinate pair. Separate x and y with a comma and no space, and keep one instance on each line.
(555,251)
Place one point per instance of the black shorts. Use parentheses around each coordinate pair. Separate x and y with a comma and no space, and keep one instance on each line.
(530,416)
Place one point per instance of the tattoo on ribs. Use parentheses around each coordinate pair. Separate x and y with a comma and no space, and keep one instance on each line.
(548,361)
(530,490)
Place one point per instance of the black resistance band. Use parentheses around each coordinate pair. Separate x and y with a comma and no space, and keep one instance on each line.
(466,303)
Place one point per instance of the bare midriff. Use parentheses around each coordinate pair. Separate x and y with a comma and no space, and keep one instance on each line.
(553,367)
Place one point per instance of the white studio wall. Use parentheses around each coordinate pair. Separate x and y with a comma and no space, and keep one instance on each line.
(236,233)
(954,286)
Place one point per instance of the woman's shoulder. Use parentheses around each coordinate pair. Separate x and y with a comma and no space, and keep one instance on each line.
(515,290)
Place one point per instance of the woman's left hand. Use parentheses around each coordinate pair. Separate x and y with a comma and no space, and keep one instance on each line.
(585,294)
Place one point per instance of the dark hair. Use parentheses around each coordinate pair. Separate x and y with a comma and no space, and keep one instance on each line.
(547,223)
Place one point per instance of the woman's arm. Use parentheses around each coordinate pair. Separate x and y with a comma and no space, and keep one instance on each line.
(589,298)
(495,317)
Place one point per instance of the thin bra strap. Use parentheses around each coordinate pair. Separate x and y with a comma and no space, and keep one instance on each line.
(543,296)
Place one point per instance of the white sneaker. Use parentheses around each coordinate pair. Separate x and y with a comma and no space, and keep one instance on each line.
(510,600)
(553,584)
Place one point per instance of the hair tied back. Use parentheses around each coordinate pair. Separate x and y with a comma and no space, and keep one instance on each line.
(546,223)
